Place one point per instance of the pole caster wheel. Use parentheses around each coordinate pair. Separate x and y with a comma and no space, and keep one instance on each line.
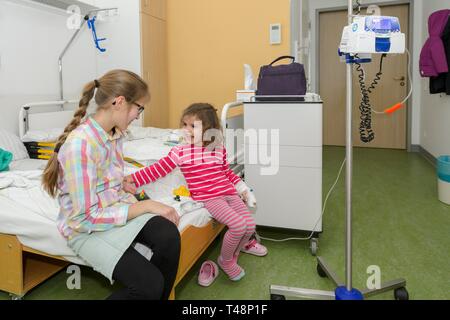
(314,246)
(277,297)
(320,271)
(401,294)
(15,297)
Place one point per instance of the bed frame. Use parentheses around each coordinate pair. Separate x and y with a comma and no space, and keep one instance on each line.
(23,268)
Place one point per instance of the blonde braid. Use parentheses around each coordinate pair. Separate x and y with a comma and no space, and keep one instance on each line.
(50,176)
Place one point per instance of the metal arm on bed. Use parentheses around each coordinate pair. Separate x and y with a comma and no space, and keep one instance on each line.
(24,112)
(238,169)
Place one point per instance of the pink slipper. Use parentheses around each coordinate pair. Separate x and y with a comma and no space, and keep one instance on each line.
(255,248)
(208,273)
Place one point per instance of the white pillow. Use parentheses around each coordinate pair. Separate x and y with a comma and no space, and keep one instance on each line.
(43,135)
(145,149)
(136,133)
(10,142)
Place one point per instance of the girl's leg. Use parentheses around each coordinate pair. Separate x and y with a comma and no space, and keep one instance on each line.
(163,238)
(152,279)
(239,207)
(141,278)
(223,213)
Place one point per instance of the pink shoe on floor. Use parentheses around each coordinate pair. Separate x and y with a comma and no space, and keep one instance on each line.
(208,273)
(255,248)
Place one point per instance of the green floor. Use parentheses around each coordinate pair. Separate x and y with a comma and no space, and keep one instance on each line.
(399,225)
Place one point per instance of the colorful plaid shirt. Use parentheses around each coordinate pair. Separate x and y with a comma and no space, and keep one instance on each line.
(91,197)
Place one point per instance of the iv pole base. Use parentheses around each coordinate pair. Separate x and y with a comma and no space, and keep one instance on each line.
(341,292)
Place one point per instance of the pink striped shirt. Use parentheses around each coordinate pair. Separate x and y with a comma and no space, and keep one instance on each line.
(207,173)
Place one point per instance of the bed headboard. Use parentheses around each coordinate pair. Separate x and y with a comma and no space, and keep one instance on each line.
(29,120)
(45,120)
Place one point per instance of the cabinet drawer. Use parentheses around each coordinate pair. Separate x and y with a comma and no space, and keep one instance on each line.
(290,156)
(298,124)
(290,199)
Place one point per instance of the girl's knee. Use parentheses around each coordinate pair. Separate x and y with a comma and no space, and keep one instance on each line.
(238,227)
(171,232)
(165,231)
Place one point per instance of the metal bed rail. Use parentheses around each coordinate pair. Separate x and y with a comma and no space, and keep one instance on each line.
(24,112)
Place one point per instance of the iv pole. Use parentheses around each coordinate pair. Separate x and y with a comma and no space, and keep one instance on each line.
(344,291)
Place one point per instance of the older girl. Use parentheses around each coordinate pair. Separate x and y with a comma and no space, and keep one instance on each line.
(99,219)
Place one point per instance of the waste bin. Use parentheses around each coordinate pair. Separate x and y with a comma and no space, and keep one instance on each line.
(443,172)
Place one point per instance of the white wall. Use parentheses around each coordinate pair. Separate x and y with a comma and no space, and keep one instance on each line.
(435,118)
(124,37)
(33,36)
(315,5)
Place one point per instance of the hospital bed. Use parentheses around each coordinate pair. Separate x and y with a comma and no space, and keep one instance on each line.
(31,248)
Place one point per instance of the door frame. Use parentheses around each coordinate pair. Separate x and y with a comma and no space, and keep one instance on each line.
(411,100)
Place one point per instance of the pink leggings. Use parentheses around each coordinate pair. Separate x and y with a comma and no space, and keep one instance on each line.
(232,211)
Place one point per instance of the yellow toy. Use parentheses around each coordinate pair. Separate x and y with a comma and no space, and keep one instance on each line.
(181,192)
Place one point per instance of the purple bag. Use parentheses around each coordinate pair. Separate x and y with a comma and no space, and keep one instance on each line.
(286,79)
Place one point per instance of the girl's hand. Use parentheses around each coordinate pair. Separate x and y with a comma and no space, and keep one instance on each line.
(244,196)
(249,198)
(128,185)
(165,211)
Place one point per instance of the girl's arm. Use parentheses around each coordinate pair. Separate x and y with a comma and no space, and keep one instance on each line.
(149,206)
(157,170)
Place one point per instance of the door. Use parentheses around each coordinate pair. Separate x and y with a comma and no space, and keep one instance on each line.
(390,130)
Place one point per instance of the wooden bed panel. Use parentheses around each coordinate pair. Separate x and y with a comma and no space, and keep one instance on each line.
(21,271)
(22,268)
(11,265)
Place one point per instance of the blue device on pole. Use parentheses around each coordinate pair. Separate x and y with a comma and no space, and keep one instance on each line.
(91,25)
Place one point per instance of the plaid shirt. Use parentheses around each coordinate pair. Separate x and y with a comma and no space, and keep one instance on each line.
(91,166)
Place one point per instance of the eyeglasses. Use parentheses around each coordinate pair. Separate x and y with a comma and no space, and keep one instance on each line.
(140,108)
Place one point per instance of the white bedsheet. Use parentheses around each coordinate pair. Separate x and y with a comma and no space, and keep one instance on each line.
(29,213)
(27,164)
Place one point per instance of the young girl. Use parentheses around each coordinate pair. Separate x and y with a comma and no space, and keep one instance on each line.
(203,162)
(98,218)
